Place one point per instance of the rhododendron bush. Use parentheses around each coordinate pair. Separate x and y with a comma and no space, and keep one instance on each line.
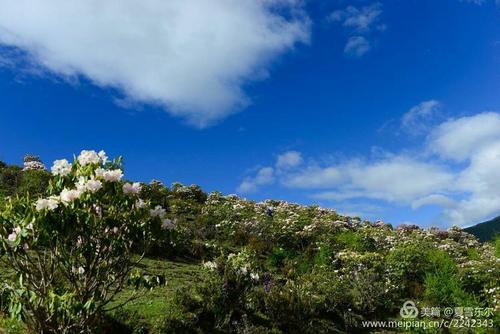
(288,268)
(235,266)
(75,248)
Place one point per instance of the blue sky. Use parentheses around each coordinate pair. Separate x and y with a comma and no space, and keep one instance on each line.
(388,109)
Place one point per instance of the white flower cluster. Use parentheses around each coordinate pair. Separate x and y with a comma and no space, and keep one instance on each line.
(33,165)
(167,224)
(140,204)
(132,188)
(33,162)
(244,271)
(61,167)
(69,195)
(87,157)
(79,270)
(50,204)
(113,175)
(211,265)
(93,184)
(13,236)
(158,211)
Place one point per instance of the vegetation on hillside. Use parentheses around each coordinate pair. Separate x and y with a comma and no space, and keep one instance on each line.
(238,266)
(486,231)
(14,180)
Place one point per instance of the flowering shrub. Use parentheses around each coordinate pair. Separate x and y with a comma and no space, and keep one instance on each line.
(230,292)
(33,162)
(270,266)
(321,272)
(72,249)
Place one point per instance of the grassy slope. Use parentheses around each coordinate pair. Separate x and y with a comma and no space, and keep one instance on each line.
(151,307)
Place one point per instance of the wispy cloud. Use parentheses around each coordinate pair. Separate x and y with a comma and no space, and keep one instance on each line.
(457,168)
(416,120)
(267,175)
(357,46)
(192,58)
(289,159)
(360,23)
(361,20)
(264,176)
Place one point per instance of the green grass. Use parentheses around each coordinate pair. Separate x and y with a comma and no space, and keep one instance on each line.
(10,326)
(150,309)
(153,305)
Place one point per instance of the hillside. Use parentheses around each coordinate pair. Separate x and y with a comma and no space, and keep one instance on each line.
(486,231)
(15,180)
(237,266)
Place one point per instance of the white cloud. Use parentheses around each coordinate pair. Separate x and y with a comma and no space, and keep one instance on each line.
(415,121)
(315,177)
(359,209)
(267,175)
(399,179)
(436,199)
(481,181)
(474,142)
(394,179)
(357,46)
(190,57)
(459,139)
(263,177)
(361,22)
(461,175)
(359,19)
(288,160)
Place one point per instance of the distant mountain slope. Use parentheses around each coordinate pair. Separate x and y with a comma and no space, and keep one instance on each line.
(486,231)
